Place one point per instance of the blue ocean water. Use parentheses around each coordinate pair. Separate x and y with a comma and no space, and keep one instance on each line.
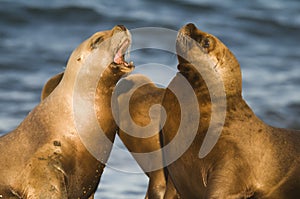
(37,37)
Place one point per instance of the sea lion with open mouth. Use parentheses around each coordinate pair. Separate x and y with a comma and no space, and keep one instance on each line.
(45,157)
(143,94)
(250,158)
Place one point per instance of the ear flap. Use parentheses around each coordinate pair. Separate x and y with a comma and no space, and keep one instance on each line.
(51,85)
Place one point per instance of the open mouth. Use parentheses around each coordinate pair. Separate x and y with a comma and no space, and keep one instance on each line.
(119,59)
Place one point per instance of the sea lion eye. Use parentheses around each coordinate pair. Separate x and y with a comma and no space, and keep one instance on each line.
(206,43)
(96,42)
(99,40)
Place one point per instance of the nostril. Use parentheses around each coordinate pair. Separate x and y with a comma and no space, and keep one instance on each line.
(122,27)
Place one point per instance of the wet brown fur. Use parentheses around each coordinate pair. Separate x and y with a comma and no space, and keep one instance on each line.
(251,159)
(44,156)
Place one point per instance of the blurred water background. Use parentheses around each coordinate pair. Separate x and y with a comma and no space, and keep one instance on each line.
(37,37)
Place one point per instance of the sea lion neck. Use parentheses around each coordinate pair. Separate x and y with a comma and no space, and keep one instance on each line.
(206,92)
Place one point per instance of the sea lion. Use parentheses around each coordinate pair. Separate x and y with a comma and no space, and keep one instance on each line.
(250,159)
(143,94)
(137,97)
(45,157)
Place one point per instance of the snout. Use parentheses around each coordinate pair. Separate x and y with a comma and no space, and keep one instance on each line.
(186,34)
(185,40)
(188,29)
(121,32)
(188,38)
(119,28)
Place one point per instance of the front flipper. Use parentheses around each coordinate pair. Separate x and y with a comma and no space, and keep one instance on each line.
(231,180)
(51,84)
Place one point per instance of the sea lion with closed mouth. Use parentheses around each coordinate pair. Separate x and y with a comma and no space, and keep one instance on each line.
(45,157)
(250,158)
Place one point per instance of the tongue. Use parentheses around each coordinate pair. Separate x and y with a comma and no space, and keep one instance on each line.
(118,59)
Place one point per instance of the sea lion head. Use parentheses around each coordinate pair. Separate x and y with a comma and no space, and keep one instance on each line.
(110,46)
(103,50)
(101,55)
(200,50)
